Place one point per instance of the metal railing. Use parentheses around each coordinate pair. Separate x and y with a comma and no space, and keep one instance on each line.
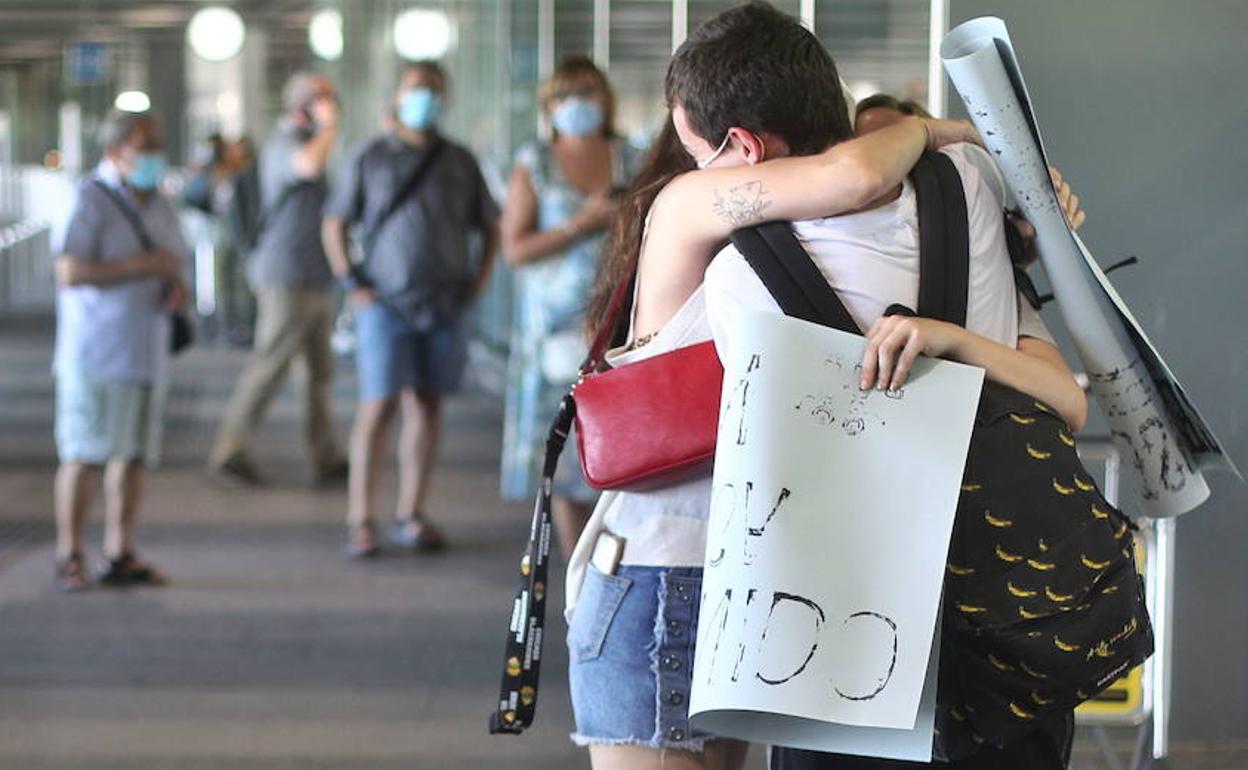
(27,283)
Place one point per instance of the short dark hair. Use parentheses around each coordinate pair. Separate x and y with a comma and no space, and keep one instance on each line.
(760,69)
(119,126)
(428,67)
(890,102)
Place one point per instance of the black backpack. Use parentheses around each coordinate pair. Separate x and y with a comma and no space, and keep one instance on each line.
(1043,606)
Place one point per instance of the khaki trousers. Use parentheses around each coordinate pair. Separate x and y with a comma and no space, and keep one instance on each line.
(291,324)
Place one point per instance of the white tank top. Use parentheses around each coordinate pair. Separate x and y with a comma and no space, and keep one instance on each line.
(664,527)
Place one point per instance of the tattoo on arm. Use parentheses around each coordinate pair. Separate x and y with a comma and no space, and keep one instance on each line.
(741,204)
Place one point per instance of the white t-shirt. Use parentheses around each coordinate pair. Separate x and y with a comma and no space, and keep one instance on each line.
(871,259)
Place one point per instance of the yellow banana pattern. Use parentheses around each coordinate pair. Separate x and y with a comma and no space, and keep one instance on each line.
(995,522)
(1031,672)
(1042,548)
(1063,646)
(1007,557)
(1021,593)
(1056,597)
(1090,564)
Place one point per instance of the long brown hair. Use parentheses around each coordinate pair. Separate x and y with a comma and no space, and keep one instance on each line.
(665,161)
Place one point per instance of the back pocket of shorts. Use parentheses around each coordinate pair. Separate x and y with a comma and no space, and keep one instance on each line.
(595,609)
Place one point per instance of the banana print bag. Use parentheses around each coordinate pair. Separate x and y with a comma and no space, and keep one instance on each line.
(1043,606)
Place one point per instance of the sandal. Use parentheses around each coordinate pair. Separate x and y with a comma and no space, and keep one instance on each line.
(72,575)
(418,535)
(127,570)
(362,541)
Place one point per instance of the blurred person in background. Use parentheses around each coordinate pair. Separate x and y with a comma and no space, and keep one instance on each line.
(879,110)
(236,302)
(428,228)
(293,285)
(559,203)
(119,277)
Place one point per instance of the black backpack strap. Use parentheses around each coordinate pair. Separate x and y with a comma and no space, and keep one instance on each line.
(791,277)
(801,291)
(944,239)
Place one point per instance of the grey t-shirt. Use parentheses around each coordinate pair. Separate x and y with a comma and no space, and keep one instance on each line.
(288,251)
(424,256)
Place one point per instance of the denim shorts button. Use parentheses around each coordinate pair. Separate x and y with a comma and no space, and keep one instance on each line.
(671,662)
(676,734)
(673,627)
(675,697)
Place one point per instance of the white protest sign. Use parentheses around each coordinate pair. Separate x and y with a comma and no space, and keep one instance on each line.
(827,540)
(1153,422)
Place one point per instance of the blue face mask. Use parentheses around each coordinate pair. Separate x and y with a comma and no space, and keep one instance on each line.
(420,108)
(577,117)
(149,169)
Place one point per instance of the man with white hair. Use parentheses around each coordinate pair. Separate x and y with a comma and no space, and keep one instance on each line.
(119,276)
(293,286)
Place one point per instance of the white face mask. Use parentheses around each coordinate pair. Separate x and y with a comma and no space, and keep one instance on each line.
(702,164)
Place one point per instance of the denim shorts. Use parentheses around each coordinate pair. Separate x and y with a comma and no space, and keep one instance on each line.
(391,354)
(630,645)
(100,420)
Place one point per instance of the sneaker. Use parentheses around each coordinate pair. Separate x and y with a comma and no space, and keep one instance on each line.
(332,474)
(127,570)
(237,470)
(417,535)
(72,575)
(362,541)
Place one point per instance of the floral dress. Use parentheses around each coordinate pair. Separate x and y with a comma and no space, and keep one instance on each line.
(550,299)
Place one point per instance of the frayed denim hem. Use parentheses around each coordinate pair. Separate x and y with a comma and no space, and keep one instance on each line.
(693,745)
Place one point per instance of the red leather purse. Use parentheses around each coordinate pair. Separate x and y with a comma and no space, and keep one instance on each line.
(650,422)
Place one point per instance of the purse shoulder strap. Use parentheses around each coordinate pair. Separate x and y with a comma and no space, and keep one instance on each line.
(127,211)
(404,191)
(801,291)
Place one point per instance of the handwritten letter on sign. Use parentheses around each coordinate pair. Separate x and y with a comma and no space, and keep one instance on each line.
(826,546)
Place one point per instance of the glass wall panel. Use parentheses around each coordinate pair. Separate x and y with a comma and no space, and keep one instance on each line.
(701,10)
(641,45)
(879,45)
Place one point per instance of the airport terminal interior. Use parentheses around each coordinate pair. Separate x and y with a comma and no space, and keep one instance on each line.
(273,646)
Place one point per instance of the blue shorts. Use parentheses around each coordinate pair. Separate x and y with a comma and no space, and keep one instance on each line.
(100,420)
(392,355)
(630,645)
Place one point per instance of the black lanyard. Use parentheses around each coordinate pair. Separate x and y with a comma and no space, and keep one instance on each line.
(517,700)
